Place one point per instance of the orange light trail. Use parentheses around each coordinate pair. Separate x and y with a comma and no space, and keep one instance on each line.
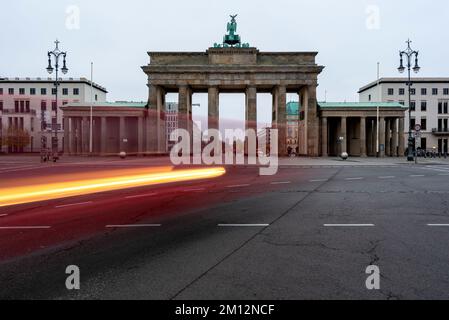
(42,192)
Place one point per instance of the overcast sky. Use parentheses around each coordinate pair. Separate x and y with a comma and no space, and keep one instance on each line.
(351,36)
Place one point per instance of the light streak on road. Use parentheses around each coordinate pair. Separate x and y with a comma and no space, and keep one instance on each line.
(41,192)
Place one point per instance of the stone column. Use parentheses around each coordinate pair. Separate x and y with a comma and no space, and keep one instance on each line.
(395,137)
(281,103)
(401,143)
(382,136)
(312,122)
(79,137)
(152,120)
(140,134)
(343,134)
(251,118)
(122,134)
(161,124)
(388,137)
(66,135)
(213,120)
(185,111)
(324,137)
(85,135)
(362,136)
(104,138)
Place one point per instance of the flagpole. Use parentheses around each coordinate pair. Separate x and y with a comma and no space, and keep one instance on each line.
(377,116)
(91,106)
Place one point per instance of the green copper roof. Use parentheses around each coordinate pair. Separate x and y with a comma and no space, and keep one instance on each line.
(293,108)
(363,105)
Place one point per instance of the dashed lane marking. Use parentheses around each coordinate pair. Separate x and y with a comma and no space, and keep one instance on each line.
(387,177)
(351,179)
(349,225)
(73,204)
(141,195)
(24,227)
(243,225)
(280,182)
(238,186)
(132,225)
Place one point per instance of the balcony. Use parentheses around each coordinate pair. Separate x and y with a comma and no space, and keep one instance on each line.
(440,131)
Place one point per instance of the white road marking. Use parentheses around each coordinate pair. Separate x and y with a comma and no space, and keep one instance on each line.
(238,186)
(387,177)
(438,225)
(349,225)
(358,178)
(281,182)
(24,227)
(243,225)
(132,225)
(141,195)
(416,175)
(194,189)
(73,204)
(443,174)
(318,180)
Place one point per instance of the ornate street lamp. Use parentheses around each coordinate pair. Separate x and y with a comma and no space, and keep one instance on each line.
(409,54)
(56,53)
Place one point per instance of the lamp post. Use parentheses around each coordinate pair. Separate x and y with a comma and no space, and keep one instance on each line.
(409,54)
(56,53)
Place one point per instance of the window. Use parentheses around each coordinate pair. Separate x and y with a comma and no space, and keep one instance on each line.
(446,91)
(423,91)
(53,105)
(22,106)
(16,106)
(53,91)
(402,102)
(1,105)
(43,91)
(1,91)
(21,91)
(43,105)
(423,143)
(445,107)
(96,97)
(33,91)
(11,91)
(64,102)
(369,97)
(390,91)
(423,105)
(424,124)
(76,91)
(435,91)
(413,91)
(413,105)
(413,122)
(401,91)
(65,91)
(440,107)
(27,106)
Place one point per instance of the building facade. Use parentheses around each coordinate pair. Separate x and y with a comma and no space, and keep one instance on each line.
(429,106)
(28,108)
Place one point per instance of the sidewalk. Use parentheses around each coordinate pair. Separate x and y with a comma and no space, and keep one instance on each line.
(298,161)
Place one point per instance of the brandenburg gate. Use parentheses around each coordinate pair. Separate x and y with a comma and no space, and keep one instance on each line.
(233,67)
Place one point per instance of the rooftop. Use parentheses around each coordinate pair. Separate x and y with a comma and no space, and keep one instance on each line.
(364,105)
(117,104)
(49,79)
(403,80)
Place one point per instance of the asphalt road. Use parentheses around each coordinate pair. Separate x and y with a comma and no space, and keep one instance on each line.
(306,233)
